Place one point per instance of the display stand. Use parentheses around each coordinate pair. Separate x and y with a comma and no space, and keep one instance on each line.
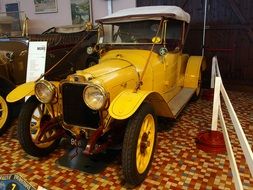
(90,164)
(211,141)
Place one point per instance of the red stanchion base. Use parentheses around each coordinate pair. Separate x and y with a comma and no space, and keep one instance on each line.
(208,94)
(211,142)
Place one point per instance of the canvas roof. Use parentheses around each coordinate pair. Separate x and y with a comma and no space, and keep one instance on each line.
(147,12)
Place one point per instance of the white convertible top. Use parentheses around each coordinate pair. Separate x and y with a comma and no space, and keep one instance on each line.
(147,12)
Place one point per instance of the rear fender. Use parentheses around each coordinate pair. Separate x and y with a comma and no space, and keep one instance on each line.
(127,102)
(195,65)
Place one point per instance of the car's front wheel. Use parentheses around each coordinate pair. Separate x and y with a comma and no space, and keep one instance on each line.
(139,145)
(32,117)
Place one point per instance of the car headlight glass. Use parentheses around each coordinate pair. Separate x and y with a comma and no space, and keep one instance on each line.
(94,97)
(44,91)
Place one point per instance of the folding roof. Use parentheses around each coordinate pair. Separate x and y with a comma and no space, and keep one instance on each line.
(145,13)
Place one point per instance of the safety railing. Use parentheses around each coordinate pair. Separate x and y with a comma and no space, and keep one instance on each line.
(216,83)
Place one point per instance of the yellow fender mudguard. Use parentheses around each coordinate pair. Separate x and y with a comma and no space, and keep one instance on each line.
(21,91)
(127,102)
(195,65)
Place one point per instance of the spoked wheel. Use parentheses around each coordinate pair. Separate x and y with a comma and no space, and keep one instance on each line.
(4,114)
(139,145)
(33,116)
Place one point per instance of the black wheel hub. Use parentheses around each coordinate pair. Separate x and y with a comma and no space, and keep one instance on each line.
(144,143)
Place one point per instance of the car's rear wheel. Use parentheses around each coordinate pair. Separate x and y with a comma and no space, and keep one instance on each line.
(139,145)
(32,117)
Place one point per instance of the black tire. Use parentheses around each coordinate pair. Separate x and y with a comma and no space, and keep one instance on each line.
(24,130)
(134,174)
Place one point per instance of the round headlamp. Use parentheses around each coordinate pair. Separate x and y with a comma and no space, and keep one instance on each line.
(94,97)
(44,91)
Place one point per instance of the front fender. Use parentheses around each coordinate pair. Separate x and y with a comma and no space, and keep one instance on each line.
(21,91)
(127,102)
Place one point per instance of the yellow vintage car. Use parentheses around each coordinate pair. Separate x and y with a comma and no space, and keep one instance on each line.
(142,74)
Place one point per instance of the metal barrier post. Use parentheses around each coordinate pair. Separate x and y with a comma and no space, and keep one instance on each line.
(216,103)
(211,141)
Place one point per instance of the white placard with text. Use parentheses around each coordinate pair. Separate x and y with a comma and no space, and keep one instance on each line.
(36,60)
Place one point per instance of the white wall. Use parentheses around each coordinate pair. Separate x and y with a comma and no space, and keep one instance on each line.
(123,4)
(40,22)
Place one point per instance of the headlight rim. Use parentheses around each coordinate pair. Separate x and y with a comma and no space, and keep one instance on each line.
(103,92)
(51,88)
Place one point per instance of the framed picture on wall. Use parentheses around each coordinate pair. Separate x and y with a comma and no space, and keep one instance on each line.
(45,6)
(12,10)
(80,11)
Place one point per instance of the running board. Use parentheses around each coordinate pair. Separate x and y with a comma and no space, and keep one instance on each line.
(177,103)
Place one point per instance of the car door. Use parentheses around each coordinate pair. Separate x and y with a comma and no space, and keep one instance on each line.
(173,51)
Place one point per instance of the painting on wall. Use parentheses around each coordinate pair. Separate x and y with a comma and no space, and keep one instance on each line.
(45,6)
(80,11)
(12,10)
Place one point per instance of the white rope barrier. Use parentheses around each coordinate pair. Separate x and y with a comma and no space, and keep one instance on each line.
(216,82)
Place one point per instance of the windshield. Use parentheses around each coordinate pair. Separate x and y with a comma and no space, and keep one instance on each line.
(137,32)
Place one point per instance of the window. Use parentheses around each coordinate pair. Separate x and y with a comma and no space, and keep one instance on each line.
(174,30)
